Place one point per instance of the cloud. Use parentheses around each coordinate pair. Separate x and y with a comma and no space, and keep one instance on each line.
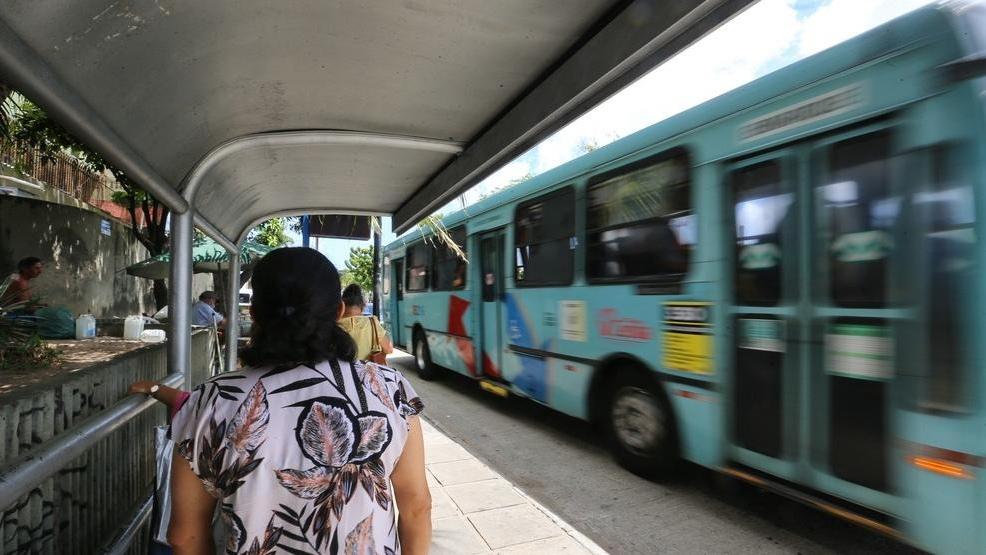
(840,20)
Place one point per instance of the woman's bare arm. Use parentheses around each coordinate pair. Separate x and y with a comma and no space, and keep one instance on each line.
(190,531)
(167,395)
(413,497)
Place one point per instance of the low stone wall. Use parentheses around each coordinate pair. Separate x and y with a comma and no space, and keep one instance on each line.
(82,507)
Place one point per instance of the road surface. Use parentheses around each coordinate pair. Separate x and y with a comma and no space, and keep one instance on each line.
(562,463)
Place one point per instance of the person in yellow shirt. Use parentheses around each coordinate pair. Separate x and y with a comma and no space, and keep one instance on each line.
(366,331)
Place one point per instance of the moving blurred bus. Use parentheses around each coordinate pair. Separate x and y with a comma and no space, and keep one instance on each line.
(781,284)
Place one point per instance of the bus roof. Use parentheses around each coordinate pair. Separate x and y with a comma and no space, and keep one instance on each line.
(923,24)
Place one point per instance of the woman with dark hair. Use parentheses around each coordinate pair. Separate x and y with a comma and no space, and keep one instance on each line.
(371,339)
(305,450)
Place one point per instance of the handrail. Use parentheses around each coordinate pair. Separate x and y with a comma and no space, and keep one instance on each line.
(25,473)
(121,544)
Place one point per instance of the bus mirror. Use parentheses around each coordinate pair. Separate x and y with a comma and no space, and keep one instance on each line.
(969,67)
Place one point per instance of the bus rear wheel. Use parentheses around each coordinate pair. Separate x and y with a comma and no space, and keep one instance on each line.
(641,427)
(422,357)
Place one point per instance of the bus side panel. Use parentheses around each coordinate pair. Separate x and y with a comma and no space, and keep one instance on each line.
(446,319)
(699,416)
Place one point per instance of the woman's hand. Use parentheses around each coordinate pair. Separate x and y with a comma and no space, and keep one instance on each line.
(143,387)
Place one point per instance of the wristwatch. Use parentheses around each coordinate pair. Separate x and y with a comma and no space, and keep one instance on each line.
(154,389)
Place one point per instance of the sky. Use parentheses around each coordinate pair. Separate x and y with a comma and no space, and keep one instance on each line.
(765,37)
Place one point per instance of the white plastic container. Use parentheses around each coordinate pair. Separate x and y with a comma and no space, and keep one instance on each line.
(85,326)
(153,336)
(132,327)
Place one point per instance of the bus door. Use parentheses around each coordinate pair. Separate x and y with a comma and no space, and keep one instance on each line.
(761,195)
(491,252)
(397,288)
(813,271)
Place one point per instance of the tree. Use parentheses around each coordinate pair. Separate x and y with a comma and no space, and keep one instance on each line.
(271,232)
(359,268)
(30,124)
(586,146)
(8,107)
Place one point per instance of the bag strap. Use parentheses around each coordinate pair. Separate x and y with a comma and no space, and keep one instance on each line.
(375,347)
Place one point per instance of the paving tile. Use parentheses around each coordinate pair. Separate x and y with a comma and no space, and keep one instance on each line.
(454,535)
(442,505)
(483,496)
(445,452)
(564,545)
(461,472)
(513,525)
(432,436)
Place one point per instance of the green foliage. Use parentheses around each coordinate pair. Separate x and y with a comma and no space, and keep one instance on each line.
(433,230)
(8,107)
(586,146)
(20,345)
(359,269)
(272,232)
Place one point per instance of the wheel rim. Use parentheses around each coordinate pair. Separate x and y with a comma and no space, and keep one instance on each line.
(419,354)
(638,421)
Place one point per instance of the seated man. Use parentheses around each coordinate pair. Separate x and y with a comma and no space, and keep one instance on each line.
(19,290)
(204,312)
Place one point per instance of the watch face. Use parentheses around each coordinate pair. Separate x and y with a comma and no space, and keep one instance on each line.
(154,389)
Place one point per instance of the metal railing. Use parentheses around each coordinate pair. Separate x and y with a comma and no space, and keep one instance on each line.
(59,171)
(21,476)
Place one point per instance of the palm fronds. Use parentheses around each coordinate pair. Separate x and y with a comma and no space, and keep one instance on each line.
(439,233)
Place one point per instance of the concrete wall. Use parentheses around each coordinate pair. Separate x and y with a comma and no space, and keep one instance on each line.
(84,269)
(85,505)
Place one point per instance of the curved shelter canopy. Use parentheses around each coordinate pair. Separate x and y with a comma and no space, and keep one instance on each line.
(250,108)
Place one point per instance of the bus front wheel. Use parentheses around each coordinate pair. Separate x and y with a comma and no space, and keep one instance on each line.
(422,357)
(641,427)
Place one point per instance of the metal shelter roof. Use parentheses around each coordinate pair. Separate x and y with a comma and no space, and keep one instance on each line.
(250,108)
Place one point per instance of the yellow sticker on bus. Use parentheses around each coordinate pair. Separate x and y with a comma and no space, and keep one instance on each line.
(687,336)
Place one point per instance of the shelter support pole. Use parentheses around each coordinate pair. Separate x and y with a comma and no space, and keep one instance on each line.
(233,311)
(180,305)
(306,231)
(376,269)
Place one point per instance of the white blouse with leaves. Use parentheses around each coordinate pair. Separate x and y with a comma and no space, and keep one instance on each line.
(300,457)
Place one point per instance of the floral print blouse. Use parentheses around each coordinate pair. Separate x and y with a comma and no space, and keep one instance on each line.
(300,457)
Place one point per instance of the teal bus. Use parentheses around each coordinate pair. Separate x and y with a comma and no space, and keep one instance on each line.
(781,284)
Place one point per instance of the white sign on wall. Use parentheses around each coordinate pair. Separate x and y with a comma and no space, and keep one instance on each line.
(572,320)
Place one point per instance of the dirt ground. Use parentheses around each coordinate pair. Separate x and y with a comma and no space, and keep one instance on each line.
(75,355)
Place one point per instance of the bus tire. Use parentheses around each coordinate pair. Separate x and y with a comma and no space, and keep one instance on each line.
(422,357)
(641,426)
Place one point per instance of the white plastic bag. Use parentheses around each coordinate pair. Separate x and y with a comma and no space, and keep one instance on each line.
(163,448)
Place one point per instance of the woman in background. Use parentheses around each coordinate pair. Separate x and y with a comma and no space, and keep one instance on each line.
(366,331)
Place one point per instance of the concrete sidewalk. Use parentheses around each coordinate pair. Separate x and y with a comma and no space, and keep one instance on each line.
(475,510)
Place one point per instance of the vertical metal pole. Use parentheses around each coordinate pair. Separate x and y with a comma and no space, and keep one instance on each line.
(376,269)
(180,304)
(306,230)
(233,310)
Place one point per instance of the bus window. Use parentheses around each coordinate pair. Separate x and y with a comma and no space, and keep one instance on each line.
(945,210)
(760,206)
(448,268)
(859,209)
(545,229)
(639,224)
(417,267)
